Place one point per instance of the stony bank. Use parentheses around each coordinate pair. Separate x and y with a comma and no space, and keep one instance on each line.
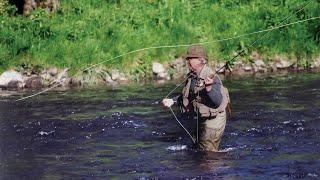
(33,78)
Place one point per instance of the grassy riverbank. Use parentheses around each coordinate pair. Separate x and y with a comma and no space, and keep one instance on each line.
(85,32)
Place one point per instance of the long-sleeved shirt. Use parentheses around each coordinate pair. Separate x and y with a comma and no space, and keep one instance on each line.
(212,98)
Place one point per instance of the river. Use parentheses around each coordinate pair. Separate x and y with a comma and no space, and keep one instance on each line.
(124,133)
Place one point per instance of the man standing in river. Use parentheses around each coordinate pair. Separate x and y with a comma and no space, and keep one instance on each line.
(205,95)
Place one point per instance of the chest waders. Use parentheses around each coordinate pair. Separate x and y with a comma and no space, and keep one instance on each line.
(199,102)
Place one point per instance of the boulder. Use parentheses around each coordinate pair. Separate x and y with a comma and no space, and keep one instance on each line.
(115,77)
(157,68)
(163,76)
(159,71)
(316,63)
(74,82)
(122,78)
(237,69)
(115,74)
(259,66)
(34,82)
(108,79)
(281,63)
(62,77)
(247,67)
(14,85)
(52,71)
(53,76)
(47,79)
(259,63)
(9,76)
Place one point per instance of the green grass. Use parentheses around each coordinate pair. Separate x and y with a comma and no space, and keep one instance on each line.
(85,32)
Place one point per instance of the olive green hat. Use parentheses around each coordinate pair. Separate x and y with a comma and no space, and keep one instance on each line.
(196,51)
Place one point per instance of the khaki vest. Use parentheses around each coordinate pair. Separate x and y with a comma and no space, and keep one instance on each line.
(204,110)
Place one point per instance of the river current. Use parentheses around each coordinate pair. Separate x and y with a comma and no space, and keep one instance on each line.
(124,133)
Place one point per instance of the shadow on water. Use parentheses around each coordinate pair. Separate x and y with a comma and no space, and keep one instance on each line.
(125,133)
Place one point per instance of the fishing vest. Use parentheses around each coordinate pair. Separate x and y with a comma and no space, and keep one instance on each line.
(204,110)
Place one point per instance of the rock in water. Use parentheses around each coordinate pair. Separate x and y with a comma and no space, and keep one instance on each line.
(8,76)
(34,82)
(15,85)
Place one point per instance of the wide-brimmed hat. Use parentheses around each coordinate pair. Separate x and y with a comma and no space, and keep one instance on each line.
(196,51)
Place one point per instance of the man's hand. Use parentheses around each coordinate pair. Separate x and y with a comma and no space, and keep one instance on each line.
(167,102)
(208,83)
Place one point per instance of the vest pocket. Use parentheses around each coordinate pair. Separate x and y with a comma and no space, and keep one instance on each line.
(205,111)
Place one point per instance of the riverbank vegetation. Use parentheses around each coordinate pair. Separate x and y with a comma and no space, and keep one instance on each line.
(84,32)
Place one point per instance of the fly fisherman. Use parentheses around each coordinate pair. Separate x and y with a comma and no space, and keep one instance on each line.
(203,94)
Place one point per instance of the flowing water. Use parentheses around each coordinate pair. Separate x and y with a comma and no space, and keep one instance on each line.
(124,133)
